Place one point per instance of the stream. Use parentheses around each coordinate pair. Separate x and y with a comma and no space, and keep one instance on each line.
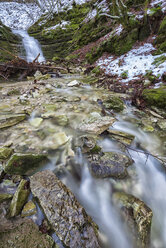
(69,106)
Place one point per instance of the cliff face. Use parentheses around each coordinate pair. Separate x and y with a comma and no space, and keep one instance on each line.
(84,32)
(9,43)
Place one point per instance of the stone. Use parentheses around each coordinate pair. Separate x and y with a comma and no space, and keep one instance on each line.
(36,122)
(67,218)
(61,120)
(162,124)
(19,199)
(57,140)
(24,164)
(138,216)
(111,164)
(114,103)
(39,76)
(5,152)
(24,235)
(73,83)
(29,209)
(4,197)
(11,120)
(121,136)
(96,125)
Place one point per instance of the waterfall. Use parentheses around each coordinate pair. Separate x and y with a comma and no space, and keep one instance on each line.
(31,45)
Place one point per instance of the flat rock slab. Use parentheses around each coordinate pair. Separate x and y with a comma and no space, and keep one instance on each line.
(68,219)
(96,125)
(11,120)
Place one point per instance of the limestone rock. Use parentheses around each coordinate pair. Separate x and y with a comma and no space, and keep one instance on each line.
(11,120)
(68,219)
(114,103)
(5,152)
(19,198)
(29,209)
(24,164)
(36,122)
(73,83)
(112,164)
(57,140)
(121,136)
(96,125)
(138,216)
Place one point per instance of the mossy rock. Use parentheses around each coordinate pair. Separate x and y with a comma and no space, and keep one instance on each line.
(138,217)
(5,197)
(11,120)
(24,164)
(5,152)
(25,235)
(19,199)
(155,97)
(114,103)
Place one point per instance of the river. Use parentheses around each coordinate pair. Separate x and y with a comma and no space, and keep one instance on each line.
(147,179)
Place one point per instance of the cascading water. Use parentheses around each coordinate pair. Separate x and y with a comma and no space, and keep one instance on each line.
(31,45)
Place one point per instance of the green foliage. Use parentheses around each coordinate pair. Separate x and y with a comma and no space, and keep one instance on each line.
(124,74)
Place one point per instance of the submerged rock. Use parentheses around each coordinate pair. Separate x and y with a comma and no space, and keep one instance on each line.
(19,198)
(36,122)
(57,140)
(74,83)
(25,234)
(11,120)
(138,216)
(68,219)
(24,164)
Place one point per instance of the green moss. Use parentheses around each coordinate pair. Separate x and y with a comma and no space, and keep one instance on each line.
(124,74)
(155,97)
(114,103)
(161,39)
(159,60)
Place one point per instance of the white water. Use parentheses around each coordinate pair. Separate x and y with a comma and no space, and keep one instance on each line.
(31,45)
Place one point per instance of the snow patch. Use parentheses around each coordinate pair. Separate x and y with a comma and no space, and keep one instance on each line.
(135,63)
(119,29)
(59,25)
(161,3)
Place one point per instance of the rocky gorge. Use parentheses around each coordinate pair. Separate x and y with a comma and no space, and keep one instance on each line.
(80,164)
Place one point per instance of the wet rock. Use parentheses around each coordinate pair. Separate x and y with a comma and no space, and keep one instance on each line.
(68,219)
(55,141)
(114,103)
(39,76)
(111,164)
(61,120)
(25,234)
(96,125)
(121,136)
(24,164)
(36,122)
(11,120)
(29,209)
(19,198)
(74,83)
(5,152)
(137,215)
(4,197)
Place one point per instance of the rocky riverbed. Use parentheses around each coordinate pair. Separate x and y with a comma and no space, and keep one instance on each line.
(43,125)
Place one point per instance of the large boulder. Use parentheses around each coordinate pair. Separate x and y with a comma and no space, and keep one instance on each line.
(66,216)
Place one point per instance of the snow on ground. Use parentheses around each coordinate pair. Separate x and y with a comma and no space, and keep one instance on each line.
(161,3)
(59,25)
(134,63)
(19,15)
